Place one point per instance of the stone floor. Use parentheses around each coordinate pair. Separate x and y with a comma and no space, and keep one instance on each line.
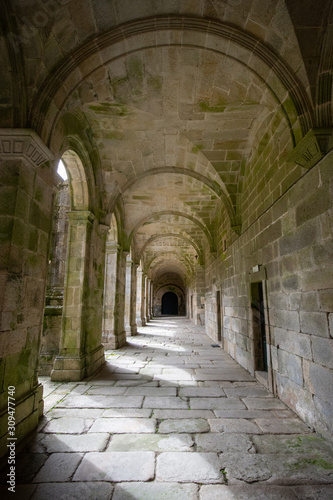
(170,417)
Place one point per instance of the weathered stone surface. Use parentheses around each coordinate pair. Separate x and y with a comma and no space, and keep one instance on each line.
(164,402)
(73,491)
(164,414)
(201,392)
(67,443)
(151,442)
(264,403)
(275,468)
(124,425)
(313,492)
(224,443)
(101,402)
(234,425)
(150,491)
(282,426)
(184,425)
(58,467)
(116,466)
(216,403)
(315,323)
(127,413)
(189,467)
(248,492)
(70,425)
(281,444)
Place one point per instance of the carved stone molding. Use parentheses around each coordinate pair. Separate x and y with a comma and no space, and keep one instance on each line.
(316,144)
(24,144)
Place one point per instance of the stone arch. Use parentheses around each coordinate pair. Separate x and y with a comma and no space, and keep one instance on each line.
(179,214)
(174,235)
(132,37)
(169,288)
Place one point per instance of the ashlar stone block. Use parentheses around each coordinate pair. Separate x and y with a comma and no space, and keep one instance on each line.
(116,466)
(189,467)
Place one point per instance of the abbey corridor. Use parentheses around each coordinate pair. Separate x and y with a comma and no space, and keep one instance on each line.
(166,176)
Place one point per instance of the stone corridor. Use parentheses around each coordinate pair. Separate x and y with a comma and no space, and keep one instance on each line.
(171,416)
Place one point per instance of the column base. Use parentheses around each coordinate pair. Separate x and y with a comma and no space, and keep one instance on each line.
(66,369)
(115,341)
(94,360)
(28,411)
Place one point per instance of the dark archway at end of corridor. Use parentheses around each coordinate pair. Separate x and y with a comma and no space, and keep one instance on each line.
(170,303)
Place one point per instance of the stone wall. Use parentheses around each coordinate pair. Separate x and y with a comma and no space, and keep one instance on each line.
(291,243)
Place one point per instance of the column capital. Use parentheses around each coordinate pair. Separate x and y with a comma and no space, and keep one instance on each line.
(21,143)
(112,247)
(81,216)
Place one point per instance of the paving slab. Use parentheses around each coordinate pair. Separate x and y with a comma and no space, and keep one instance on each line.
(282,426)
(264,403)
(248,391)
(224,443)
(151,391)
(189,426)
(155,491)
(234,425)
(189,467)
(109,391)
(310,443)
(216,403)
(151,442)
(313,492)
(52,443)
(281,469)
(248,492)
(72,412)
(116,466)
(68,425)
(101,402)
(164,414)
(73,491)
(199,392)
(164,402)
(127,412)
(251,414)
(124,425)
(58,467)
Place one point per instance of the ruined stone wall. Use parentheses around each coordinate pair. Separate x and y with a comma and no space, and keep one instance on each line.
(292,243)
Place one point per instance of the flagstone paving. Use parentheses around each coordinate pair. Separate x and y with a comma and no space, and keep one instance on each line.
(169,417)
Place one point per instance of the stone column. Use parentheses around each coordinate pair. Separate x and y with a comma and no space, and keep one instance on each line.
(134,329)
(147,299)
(128,289)
(27,186)
(138,297)
(144,299)
(151,301)
(70,363)
(119,309)
(111,257)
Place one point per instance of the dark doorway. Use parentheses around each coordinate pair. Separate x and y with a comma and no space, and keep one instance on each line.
(170,303)
(259,331)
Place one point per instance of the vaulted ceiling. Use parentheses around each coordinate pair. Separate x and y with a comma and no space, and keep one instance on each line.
(174,101)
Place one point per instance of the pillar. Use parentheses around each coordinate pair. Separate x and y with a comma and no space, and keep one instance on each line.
(128,290)
(70,364)
(133,324)
(119,308)
(27,184)
(108,332)
(138,297)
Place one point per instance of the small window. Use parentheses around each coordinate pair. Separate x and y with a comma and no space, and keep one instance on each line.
(62,170)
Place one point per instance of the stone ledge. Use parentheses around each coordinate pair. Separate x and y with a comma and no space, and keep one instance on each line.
(24,143)
(313,147)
